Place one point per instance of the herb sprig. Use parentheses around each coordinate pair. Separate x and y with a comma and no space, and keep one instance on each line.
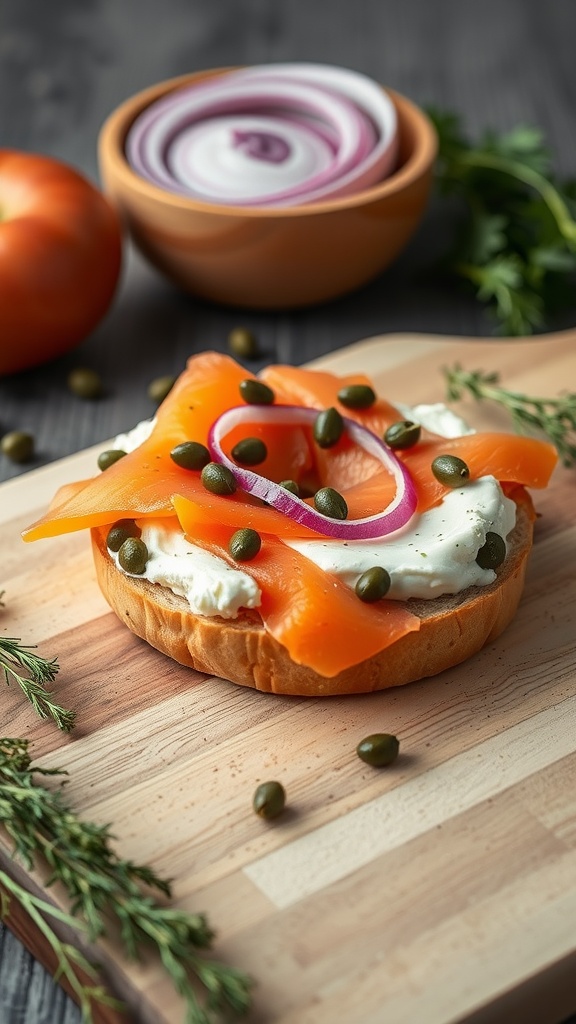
(41,912)
(99,885)
(517,246)
(553,417)
(37,673)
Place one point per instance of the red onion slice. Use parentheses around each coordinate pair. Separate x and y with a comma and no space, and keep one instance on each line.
(394,517)
(332,131)
(367,95)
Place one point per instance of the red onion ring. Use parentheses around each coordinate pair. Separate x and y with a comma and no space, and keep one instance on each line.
(270,135)
(394,517)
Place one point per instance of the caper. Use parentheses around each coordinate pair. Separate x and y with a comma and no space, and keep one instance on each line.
(330,503)
(379,749)
(160,387)
(357,396)
(218,478)
(244,544)
(120,532)
(85,383)
(328,428)
(250,451)
(18,446)
(269,799)
(450,470)
(133,556)
(254,392)
(109,457)
(492,553)
(373,584)
(292,486)
(403,434)
(243,343)
(190,455)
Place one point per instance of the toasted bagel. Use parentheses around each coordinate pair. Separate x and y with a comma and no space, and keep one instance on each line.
(452,629)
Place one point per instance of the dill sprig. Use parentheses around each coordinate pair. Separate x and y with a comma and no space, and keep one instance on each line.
(38,674)
(100,885)
(553,417)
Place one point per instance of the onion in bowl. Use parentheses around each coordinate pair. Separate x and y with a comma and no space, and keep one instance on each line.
(271,135)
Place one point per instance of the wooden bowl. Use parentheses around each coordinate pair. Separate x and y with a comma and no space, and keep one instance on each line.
(267,258)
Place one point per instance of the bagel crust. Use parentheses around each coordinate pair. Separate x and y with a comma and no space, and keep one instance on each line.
(452,629)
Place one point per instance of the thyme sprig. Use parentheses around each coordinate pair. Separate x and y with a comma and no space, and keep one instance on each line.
(68,958)
(102,886)
(37,674)
(553,417)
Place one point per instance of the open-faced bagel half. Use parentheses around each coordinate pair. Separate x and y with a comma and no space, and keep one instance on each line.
(452,629)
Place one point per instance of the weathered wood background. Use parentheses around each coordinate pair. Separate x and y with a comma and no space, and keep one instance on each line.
(64,66)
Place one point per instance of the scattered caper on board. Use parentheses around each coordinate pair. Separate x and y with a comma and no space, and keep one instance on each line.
(85,383)
(373,584)
(450,470)
(357,396)
(244,544)
(493,551)
(330,503)
(120,532)
(133,556)
(403,434)
(190,455)
(160,387)
(109,457)
(250,451)
(218,479)
(379,749)
(328,428)
(269,799)
(18,446)
(242,342)
(254,392)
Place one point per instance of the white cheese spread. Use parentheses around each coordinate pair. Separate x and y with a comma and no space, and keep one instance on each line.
(210,586)
(434,554)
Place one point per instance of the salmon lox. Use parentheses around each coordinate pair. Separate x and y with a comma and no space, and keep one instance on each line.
(319,620)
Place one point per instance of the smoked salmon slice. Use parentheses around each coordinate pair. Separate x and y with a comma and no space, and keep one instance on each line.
(508,457)
(316,617)
(143,482)
(346,464)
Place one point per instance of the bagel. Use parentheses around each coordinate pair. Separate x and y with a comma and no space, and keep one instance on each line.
(292,619)
(452,628)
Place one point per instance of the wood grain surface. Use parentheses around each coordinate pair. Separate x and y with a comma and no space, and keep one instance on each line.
(443,887)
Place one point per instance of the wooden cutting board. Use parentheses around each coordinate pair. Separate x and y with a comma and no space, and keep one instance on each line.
(442,888)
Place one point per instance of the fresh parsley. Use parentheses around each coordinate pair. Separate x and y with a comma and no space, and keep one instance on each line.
(517,243)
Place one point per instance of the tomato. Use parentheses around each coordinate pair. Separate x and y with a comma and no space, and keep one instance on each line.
(60,258)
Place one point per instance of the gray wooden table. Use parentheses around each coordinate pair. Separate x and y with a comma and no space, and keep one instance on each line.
(65,65)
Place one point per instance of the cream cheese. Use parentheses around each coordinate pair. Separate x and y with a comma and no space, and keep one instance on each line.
(210,586)
(434,554)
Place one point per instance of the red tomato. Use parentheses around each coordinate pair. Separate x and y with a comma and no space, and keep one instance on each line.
(60,258)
